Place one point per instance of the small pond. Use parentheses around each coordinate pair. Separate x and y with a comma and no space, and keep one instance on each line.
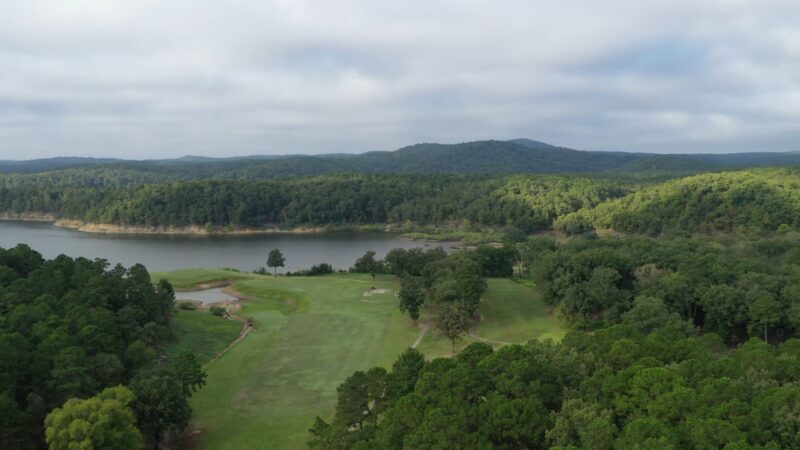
(205,296)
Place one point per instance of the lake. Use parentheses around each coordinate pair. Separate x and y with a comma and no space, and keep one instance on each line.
(169,252)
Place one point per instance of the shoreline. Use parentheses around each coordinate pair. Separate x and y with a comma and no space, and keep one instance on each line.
(201,231)
(191,230)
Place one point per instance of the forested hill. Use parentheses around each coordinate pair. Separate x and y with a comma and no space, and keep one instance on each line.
(479,157)
(529,203)
(756,199)
(766,199)
(47,164)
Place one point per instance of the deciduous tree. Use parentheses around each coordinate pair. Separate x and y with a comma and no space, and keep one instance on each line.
(104,421)
(275,260)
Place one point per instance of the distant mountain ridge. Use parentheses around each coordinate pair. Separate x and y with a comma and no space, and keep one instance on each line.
(478,157)
(46,164)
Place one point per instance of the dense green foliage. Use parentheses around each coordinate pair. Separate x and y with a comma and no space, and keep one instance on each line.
(758,200)
(103,421)
(404,262)
(657,371)
(315,270)
(528,203)
(619,388)
(70,328)
(735,287)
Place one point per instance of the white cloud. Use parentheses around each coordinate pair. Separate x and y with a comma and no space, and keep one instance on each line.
(150,78)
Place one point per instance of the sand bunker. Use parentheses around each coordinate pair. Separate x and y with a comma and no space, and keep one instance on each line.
(373,291)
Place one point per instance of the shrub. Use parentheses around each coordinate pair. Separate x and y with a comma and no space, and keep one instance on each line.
(319,269)
(188,306)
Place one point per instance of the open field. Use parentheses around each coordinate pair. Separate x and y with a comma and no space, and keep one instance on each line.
(310,334)
(513,312)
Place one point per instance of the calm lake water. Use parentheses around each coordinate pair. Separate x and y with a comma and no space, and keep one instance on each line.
(157,253)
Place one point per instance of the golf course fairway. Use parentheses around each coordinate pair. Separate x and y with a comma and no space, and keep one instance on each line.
(309,334)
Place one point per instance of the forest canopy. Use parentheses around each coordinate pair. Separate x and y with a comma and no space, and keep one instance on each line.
(73,328)
(753,200)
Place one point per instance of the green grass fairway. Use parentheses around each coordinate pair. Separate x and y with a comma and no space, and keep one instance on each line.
(513,312)
(310,334)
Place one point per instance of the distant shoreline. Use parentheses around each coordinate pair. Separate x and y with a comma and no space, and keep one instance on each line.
(191,230)
(197,230)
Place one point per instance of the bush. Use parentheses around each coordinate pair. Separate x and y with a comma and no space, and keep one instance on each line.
(188,306)
(319,269)
(218,310)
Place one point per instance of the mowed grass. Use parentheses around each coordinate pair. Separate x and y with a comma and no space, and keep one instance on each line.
(513,312)
(310,334)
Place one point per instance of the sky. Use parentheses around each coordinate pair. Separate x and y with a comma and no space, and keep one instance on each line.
(155,79)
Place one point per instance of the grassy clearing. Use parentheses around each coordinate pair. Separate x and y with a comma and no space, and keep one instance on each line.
(310,334)
(202,333)
(513,312)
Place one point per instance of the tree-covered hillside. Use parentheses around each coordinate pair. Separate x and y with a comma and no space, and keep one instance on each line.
(760,199)
(478,157)
(525,202)
(753,199)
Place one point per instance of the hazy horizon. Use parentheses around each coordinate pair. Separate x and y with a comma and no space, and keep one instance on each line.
(151,80)
(330,153)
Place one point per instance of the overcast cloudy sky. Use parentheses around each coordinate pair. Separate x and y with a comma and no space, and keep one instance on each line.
(145,79)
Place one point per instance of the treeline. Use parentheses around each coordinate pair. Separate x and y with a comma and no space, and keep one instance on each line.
(737,288)
(527,203)
(749,201)
(647,383)
(69,329)
(752,200)
(670,348)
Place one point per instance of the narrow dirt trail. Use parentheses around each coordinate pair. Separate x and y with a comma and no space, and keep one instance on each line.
(425,327)
(247,325)
(488,341)
(247,328)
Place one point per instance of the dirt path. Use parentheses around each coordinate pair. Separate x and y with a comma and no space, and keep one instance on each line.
(425,327)
(376,303)
(488,341)
(242,334)
(247,325)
